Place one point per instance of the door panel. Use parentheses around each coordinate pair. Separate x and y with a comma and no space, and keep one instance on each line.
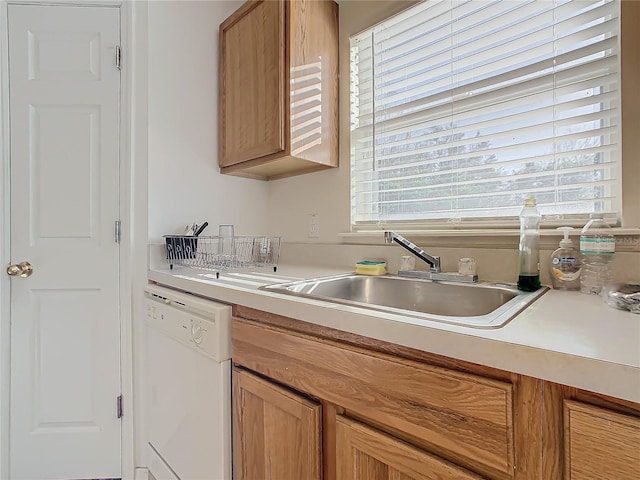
(61,402)
(64,93)
(64,139)
(64,55)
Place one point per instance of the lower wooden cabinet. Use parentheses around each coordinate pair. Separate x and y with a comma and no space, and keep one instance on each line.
(600,444)
(374,411)
(276,433)
(363,453)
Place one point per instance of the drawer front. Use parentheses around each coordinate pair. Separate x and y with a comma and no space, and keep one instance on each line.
(600,444)
(459,416)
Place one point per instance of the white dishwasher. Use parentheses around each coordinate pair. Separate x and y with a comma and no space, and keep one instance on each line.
(188,389)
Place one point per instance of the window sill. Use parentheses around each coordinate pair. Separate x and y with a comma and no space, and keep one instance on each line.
(627,239)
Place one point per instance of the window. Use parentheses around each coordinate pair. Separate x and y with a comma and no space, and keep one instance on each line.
(461,109)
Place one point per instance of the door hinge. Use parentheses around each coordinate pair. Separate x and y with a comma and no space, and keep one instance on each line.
(118,57)
(118,230)
(119,406)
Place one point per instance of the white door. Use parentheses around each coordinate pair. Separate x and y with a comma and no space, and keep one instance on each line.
(64,92)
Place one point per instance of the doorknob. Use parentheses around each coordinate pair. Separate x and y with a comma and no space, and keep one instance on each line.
(22,269)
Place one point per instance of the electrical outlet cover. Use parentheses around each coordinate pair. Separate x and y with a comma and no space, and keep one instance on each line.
(314,225)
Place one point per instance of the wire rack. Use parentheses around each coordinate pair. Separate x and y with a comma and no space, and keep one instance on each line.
(216,253)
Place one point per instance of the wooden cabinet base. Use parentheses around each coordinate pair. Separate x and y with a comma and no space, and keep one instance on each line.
(390,413)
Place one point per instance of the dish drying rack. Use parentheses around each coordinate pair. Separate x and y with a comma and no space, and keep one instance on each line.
(217,253)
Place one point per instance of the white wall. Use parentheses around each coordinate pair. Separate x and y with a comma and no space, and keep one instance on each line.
(325,193)
(185,185)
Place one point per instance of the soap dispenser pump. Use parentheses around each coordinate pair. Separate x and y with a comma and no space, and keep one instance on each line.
(565,264)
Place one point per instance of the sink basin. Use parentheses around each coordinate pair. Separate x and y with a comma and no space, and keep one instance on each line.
(481,305)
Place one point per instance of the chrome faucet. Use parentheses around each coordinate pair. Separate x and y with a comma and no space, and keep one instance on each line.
(434,262)
(435,272)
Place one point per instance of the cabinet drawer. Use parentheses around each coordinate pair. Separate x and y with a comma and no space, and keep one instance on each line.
(600,444)
(462,417)
(363,453)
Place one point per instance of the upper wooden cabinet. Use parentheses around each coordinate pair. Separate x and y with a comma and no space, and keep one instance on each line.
(278,104)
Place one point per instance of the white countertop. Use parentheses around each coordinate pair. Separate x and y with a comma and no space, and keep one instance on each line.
(564,337)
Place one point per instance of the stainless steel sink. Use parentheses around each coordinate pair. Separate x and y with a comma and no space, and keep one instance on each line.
(480,305)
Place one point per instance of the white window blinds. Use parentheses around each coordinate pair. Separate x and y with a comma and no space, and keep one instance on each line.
(461,109)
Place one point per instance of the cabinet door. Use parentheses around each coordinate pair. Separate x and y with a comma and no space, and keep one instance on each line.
(252,82)
(600,444)
(363,453)
(276,433)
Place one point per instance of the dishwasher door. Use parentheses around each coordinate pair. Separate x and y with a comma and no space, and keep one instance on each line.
(188,414)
